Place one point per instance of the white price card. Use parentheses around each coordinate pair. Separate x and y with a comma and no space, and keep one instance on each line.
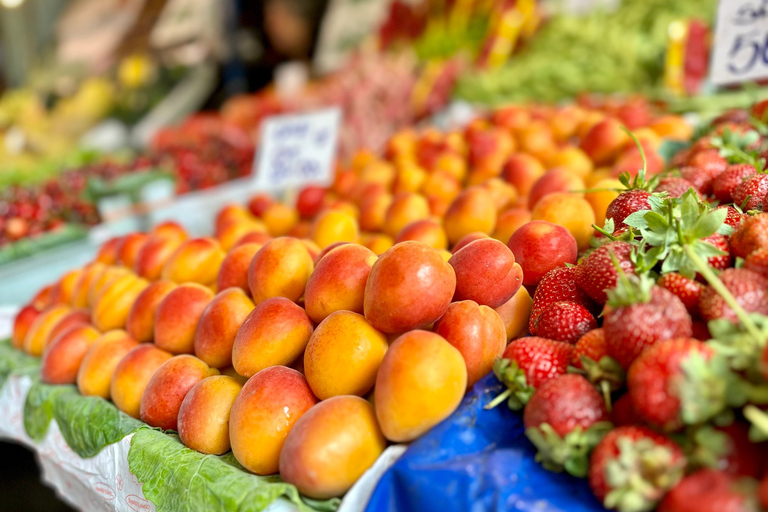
(298,149)
(741,42)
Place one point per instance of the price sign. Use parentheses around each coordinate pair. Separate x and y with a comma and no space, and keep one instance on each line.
(297,150)
(741,42)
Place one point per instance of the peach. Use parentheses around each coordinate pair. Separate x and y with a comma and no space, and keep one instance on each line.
(373,210)
(113,305)
(61,361)
(421,381)
(334,226)
(377,243)
(74,318)
(338,281)
(275,333)
(63,291)
(572,212)
(170,230)
(331,446)
(428,231)
(477,332)
(177,315)
(468,239)
(509,222)
(153,255)
(541,246)
(129,248)
(279,218)
(234,213)
(197,261)
(604,141)
(167,389)
(406,207)
(132,374)
(107,253)
(473,210)
(218,326)
(89,275)
(257,205)
(41,328)
(603,193)
(343,356)
(410,286)
(233,271)
(233,232)
(486,272)
(263,414)
(252,238)
(140,323)
(95,374)
(280,269)
(515,314)
(552,182)
(310,201)
(22,323)
(574,160)
(204,414)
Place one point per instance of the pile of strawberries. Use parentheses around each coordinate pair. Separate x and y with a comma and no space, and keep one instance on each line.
(647,367)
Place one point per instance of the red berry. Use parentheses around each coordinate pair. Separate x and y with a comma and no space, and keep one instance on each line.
(733,218)
(674,186)
(564,321)
(597,273)
(750,236)
(626,204)
(591,345)
(687,290)
(750,290)
(624,413)
(541,359)
(725,183)
(710,161)
(558,285)
(719,242)
(699,178)
(757,261)
(566,402)
(750,193)
(707,490)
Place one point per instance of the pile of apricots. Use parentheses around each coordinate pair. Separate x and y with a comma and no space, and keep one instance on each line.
(306,338)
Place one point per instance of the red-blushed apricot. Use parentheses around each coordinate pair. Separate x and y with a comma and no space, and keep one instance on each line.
(61,361)
(280,269)
(504,195)
(310,201)
(235,231)
(338,282)
(554,181)
(410,286)
(114,303)
(252,238)
(406,207)
(234,213)
(515,313)
(275,333)
(302,230)
(537,139)
(140,323)
(421,381)
(486,272)
(169,230)
(195,261)
(473,210)
(95,374)
(167,388)
(428,231)
(218,326)
(233,271)
(441,185)
(41,328)
(42,298)
(477,332)
(604,192)
(604,141)
(263,414)
(377,243)
(572,159)
(541,246)
(409,177)
(63,292)
(522,171)
(82,286)
(509,222)
(74,318)
(177,315)
(129,248)
(132,374)
(204,414)
(313,249)
(572,212)
(101,281)
(327,250)
(334,226)
(153,255)
(107,253)
(343,356)
(258,204)
(230,371)
(672,127)
(565,122)
(22,323)
(373,210)
(468,239)
(331,446)
(279,218)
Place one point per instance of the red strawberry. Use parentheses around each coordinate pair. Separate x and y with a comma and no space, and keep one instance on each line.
(720,242)
(639,315)
(591,345)
(687,290)
(557,285)
(739,456)
(750,193)
(762,492)
(596,273)
(674,186)
(633,467)
(734,217)
(749,288)
(757,261)
(710,161)
(565,418)
(564,321)
(590,356)
(750,236)
(623,412)
(626,204)
(709,490)
(724,184)
(699,178)
(701,331)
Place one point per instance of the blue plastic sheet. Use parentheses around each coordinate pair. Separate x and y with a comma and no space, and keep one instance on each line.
(477,461)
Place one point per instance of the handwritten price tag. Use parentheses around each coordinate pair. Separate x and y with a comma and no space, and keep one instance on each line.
(297,150)
(741,42)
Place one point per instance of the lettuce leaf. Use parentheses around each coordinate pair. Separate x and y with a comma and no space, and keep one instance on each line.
(16,361)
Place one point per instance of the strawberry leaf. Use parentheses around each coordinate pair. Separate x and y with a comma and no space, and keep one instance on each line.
(708,223)
(690,211)
(656,222)
(637,219)
(707,388)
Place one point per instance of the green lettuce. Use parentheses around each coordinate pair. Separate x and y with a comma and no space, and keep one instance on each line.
(15,361)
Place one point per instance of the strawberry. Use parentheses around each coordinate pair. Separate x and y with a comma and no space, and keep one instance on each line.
(709,490)
(638,315)
(687,290)
(729,449)
(699,178)
(526,364)
(623,413)
(565,418)
(674,186)
(590,357)
(725,183)
(734,217)
(626,204)
(757,261)
(557,285)
(762,492)
(700,330)
(564,321)
(750,236)
(750,290)
(591,346)
(710,161)
(750,193)
(632,468)
(596,273)
(719,242)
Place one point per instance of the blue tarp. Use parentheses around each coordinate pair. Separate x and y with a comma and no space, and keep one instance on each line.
(478,461)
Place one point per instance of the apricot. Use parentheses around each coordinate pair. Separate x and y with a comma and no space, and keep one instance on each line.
(279,218)
(310,201)
(41,328)
(343,356)
(177,315)
(373,210)
(334,226)
(102,280)
(107,253)
(477,235)
(605,191)
(280,269)
(515,314)
(574,160)
(74,318)
(451,163)
(428,231)
(409,178)
(132,374)
(233,271)
(230,371)
(169,230)
(235,213)
(257,205)
(328,249)
(572,212)
(263,414)
(42,298)
(114,303)
(604,141)
(489,148)
(62,359)
(331,446)
(218,326)
(473,210)
(673,128)
(64,290)
(252,238)
(522,171)
(140,323)
(536,139)
(406,207)
(486,272)
(233,232)
(129,248)
(167,389)
(22,324)
(554,181)
(195,261)
(378,243)
(204,414)
(421,381)
(504,195)
(153,255)
(302,229)
(410,286)
(442,185)
(82,286)
(509,222)
(95,374)
(274,333)
(565,122)
(312,248)
(541,246)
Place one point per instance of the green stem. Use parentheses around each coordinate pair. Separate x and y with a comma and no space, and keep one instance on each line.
(604,232)
(757,417)
(642,155)
(499,399)
(605,387)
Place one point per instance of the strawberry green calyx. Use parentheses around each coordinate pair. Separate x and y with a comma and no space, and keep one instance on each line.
(706,388)
(758,432)
(640,475)
(737,344)
(630,289)
(638,182)
(518,390)
(704,446)
(569,453)
(607,374)
(737,148)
